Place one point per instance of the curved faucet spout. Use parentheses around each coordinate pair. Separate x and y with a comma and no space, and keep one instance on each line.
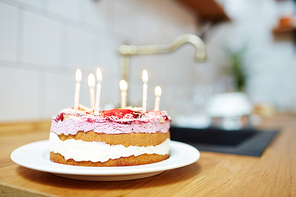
(126,51)
(193,39)
(129,50)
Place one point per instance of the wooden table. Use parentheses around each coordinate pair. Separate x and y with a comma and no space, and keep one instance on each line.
(214,174)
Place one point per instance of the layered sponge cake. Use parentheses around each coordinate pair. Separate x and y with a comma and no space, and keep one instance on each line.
(118,137)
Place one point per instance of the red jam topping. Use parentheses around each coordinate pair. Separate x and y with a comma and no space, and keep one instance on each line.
(123,116)
(120,113)
(60,117)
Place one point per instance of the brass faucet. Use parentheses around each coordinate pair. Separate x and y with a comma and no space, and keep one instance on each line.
(128,50)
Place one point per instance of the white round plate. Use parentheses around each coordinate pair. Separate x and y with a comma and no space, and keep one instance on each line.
(36,156)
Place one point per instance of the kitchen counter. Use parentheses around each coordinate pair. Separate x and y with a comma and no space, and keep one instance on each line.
(214,174)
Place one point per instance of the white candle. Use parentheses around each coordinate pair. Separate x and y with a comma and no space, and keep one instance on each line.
(99,78)
(123,88)
(77,88)
(91,84)
(157,92)
(145,87)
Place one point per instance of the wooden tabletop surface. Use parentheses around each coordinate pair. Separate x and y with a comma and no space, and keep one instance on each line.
(214,174)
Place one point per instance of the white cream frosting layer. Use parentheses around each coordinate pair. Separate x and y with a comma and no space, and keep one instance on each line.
(99,151)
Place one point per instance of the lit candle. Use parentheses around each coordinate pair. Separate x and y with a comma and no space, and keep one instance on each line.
(99,78)
(123,88)
(157,92)
(77,88)
(145,87)
(91,84)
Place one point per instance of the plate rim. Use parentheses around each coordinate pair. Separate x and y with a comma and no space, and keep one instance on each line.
(105,171)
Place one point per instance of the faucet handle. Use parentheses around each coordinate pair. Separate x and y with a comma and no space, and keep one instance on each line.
(127,49)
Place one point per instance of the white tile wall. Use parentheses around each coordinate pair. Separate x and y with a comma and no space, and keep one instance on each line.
(75,9)
(123,18)
(79,48)
(146,29)
(41,40)
(19,94)
(165,8)
(97,50)
(8,33)
(95,14)
(59,92)
(110,60)
(86,34)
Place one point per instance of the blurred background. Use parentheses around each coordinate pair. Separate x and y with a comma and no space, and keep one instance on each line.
(250,47)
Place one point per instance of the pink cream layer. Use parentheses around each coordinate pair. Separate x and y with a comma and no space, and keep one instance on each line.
(73,122)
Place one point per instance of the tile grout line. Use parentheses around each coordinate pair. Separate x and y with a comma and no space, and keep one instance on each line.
(20,35)
(41,94)
(46,69)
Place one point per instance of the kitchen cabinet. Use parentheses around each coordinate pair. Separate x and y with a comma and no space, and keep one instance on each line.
(207,10)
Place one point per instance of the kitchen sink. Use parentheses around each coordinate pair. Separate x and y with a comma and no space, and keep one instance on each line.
(246,141)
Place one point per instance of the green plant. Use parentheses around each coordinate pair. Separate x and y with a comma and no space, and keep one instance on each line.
(237,69)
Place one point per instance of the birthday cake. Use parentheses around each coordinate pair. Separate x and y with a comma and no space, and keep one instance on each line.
(118,137)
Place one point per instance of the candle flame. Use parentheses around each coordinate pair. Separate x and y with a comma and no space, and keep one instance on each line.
(91,80)
(157,91)
(78,75)
(145,76)
(123,85)
(99,75)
